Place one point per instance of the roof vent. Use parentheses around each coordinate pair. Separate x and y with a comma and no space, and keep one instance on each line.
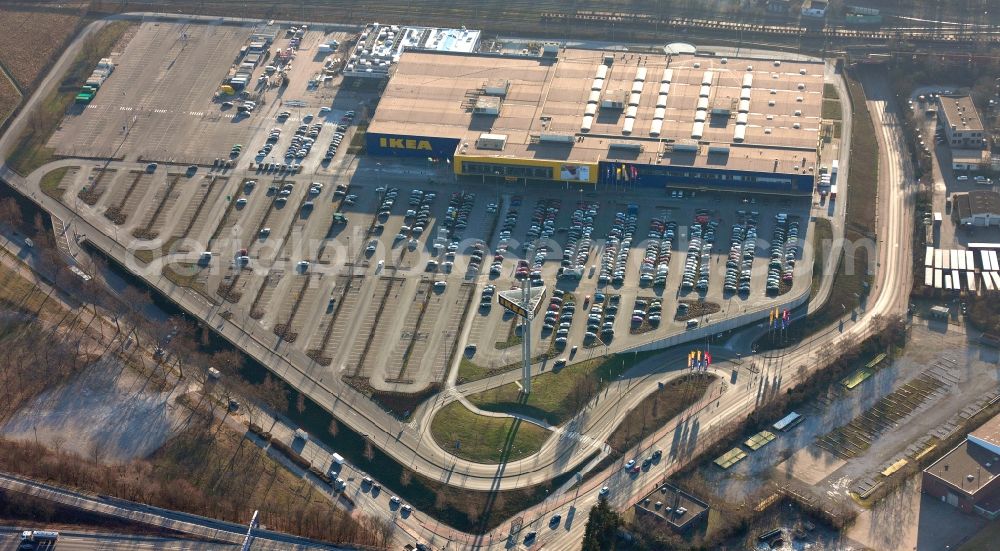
(970,477)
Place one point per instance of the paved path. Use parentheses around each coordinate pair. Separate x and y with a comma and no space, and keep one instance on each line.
(203,527)
(406,443)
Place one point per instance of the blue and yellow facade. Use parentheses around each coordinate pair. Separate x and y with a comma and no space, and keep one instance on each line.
(606,172)
(397,145)
(525,169)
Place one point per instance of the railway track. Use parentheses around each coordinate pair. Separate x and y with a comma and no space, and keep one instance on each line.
(942,35)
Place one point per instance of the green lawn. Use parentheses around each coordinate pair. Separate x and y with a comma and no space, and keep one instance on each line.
(469,371)
(822,232)
(831,110)
(830,92)
(485,439)
(31,151)
(50,183)
(557,396)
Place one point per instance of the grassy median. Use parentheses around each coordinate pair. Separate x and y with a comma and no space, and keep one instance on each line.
(50,183)
(558,396)
(657,409)
(483,439)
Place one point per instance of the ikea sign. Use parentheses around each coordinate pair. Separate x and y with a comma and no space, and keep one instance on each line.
(410,146)
(405,143)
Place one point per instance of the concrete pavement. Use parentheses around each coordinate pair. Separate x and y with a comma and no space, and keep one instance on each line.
(405,443)
(205,528)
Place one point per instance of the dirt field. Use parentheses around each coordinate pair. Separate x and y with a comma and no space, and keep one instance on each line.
(105,408)
(29,39)
(9,98)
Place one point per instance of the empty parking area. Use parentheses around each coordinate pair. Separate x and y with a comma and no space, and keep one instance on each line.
(126,195)
(369,340)
(330,334)
(193,218)
(158,103)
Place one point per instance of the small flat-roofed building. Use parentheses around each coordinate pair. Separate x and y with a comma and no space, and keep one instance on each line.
(976,208)
(674,507)
(970,160)
(962,125)
(967,476)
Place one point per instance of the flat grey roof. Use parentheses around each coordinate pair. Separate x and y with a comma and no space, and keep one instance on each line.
(966,460)
(977,202)
(960,112)
(432,94)
(989,432)
(672,497)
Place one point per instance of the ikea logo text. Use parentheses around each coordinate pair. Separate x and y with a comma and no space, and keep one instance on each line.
(404,143)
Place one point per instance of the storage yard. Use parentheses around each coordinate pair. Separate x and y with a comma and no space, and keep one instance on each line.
(383,270)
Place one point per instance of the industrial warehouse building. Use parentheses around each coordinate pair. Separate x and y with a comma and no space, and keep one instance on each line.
(598,118)
(966,477)
(977,208)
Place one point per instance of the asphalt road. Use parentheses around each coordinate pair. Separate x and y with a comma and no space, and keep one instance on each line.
(206,528)
(407,444)
(82,541)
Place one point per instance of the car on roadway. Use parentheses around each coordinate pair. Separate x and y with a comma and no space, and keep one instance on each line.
(604,491)
(630,464)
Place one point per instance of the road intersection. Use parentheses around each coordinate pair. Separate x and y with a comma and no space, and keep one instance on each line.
(695,429)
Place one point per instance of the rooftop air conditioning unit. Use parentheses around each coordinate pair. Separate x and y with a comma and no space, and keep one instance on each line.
(556,138)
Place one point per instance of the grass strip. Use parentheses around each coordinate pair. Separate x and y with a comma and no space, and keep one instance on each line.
(483,439)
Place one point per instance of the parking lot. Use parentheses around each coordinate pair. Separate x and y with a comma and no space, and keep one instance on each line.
(722,251)
(372,266)
(140,111)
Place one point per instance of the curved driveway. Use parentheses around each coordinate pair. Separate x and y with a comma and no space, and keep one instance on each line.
(409,444)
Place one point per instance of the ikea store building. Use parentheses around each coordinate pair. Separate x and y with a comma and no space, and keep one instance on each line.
(597,118)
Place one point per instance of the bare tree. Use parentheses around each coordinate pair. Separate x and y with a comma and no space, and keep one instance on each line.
(10,212)
(274,396)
